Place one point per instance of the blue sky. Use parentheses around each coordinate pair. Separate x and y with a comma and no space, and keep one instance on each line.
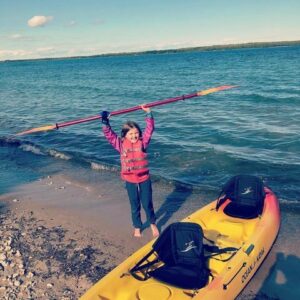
(61,28)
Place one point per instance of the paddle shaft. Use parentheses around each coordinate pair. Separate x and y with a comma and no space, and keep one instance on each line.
(128,110)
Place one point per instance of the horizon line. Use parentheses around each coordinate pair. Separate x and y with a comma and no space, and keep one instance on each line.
(171,50)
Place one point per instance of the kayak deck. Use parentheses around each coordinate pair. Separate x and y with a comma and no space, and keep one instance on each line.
(223,231)
(230,271)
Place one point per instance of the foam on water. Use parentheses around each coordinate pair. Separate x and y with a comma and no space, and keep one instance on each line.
(98,167)
(31,148)
(60,155)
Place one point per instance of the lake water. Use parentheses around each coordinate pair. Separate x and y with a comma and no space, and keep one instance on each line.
(201,142)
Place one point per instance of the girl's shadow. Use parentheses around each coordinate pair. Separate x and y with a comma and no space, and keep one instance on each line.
(172,204)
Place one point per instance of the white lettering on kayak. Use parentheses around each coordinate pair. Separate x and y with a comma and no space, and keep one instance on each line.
(253,264)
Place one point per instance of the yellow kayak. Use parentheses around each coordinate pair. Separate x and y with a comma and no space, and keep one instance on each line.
(246,242)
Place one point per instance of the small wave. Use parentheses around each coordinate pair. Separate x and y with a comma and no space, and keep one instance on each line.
(255,154)
(59,155)
(259,97)
(289,202)
(25,146)
(274,128)
(290,206)
(98,167)
(32,148)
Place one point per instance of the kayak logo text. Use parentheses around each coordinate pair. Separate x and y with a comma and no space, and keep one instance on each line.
(253,264)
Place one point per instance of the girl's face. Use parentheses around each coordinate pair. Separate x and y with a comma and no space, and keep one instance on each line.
(132,135)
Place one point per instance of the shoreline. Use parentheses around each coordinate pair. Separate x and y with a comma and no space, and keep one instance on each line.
(60,236)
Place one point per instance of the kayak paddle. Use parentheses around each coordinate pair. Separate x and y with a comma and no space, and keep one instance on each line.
(127,110)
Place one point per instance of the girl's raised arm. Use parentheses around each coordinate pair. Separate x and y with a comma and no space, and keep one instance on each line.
(149,126)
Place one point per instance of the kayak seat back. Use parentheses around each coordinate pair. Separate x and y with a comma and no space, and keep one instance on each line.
(180,248)
(246,195)
(179,258)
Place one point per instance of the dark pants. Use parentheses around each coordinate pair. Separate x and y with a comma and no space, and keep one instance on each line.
(140,193)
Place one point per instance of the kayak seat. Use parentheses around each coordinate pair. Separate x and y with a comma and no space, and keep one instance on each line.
(246,194)
(243,211)
(180,249)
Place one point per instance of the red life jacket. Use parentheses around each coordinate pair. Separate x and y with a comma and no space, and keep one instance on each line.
(134,163)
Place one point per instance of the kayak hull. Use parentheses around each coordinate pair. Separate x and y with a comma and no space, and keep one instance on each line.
(230,273)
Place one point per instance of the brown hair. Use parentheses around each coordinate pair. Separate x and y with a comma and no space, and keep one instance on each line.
(130,125)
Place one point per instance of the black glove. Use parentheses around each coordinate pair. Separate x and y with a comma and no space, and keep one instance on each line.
(104,117)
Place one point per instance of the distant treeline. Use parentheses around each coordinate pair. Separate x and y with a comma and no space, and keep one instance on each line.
(188,49)
(210,48)
(225,47)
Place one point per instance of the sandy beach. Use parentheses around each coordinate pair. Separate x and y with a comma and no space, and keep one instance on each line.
(54,252)
(60,235)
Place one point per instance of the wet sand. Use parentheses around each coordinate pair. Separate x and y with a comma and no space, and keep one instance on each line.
(60,235)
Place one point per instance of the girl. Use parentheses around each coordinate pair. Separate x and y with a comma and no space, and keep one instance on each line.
(134,167)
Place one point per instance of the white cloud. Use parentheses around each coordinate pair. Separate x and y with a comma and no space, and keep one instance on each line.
(28,54)
(16,36)
(19,37)
(46,50)
(6,54)
(38,21)
(72,23)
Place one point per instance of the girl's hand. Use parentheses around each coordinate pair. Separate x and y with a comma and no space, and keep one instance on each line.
(145,109)
(105,117)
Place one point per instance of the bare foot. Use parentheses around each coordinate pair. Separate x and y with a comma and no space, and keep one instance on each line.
(155,231)
(137,233)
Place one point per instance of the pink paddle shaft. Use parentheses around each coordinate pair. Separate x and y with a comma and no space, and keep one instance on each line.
(151,104)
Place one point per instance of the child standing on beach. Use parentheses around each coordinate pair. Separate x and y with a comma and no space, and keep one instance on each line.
(132,147)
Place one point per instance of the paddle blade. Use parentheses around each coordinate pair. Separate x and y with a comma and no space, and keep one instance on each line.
(38,129)
(217,89)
